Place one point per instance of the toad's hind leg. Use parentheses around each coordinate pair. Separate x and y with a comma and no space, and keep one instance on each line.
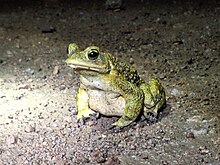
(134,103)
(154,97)
(82,103)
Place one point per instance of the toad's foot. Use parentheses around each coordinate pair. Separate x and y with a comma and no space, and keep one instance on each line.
(122,122)
(85,113)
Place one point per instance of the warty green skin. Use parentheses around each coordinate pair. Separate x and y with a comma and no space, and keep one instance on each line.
(107,83)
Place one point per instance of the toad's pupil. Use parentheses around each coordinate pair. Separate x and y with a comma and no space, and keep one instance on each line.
(93,55)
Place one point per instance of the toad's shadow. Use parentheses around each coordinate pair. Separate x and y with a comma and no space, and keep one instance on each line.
(104,124)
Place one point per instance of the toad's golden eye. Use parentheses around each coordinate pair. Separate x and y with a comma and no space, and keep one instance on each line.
(93,54)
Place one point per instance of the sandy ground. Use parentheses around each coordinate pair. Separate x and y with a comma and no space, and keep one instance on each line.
(179,42)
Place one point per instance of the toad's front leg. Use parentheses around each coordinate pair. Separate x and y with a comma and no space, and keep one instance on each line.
(134,103)
(82,103)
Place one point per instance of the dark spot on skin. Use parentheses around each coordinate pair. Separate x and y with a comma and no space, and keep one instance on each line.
(127,118)
(157,97)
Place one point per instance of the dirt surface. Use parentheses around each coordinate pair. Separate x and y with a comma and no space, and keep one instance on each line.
(177,41)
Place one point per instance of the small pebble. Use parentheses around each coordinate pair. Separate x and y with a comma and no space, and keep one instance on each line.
(73,110)
(29,70)
(44,143)
(60,162)
(190,135)
(55,70)
(62,87)
(131,61)
(200,132)
(23,86)
(29,129)
(48,30)
(175,92)
(203,150)
(11,139)
(113,4)
(9,53)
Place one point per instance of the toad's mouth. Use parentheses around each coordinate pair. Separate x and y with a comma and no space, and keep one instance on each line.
(89,68)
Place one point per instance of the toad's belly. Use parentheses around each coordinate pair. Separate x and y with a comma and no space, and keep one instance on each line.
(106,103)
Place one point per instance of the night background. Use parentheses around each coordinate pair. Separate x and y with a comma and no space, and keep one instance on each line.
(176,41)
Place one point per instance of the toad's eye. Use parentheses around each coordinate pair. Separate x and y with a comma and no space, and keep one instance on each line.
(93,55)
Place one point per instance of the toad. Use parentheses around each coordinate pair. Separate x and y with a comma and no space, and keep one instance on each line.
(113,88)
